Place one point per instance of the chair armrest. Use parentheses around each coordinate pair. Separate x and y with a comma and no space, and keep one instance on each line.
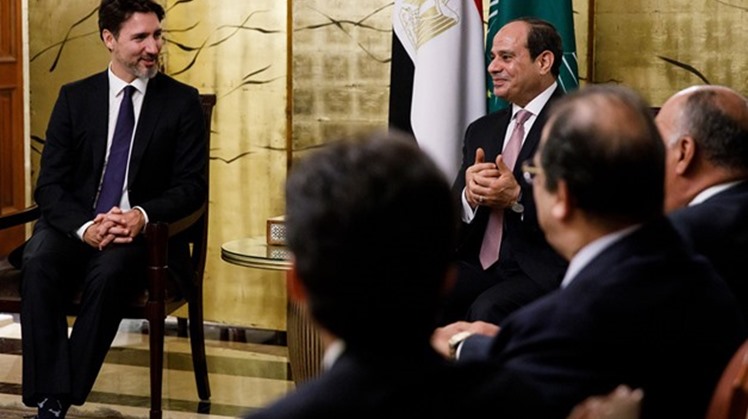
(23,216)
(187,221)
(157,236)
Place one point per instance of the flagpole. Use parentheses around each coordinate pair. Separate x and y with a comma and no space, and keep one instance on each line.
(591,42)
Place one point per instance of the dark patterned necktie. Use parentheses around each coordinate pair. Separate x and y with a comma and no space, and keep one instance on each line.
(116,166)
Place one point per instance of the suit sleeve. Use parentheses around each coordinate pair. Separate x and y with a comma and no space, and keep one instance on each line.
(60,162)
(187,185)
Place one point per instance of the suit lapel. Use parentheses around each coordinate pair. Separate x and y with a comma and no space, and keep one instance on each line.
(494,148)
(99,113)
(153,104)
(533,137)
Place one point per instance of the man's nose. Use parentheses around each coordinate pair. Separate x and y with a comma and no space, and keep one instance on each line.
(494,66)
(153,45)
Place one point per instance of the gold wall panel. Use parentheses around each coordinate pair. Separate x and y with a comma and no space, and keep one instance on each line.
(705,34)
(341,71)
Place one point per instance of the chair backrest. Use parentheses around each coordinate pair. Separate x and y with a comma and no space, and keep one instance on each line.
(198,233)
(730,398)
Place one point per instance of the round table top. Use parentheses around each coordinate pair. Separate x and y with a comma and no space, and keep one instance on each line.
(254,252)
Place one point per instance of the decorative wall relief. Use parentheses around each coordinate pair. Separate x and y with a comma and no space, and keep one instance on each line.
(341,55)
(662,46)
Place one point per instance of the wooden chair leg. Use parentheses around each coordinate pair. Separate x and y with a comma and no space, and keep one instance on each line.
(182,327)
(197,343)
(156,320)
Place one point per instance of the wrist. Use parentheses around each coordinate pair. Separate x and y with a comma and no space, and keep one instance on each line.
(516,205)
(455,341)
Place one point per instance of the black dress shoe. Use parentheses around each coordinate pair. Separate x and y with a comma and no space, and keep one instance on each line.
(51,408)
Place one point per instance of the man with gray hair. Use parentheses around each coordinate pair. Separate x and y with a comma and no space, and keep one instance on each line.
(705,130)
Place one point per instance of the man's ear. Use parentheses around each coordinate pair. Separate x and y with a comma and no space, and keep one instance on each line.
(108,39)
(296,289)
(562,206)
(685,155)
(545,61)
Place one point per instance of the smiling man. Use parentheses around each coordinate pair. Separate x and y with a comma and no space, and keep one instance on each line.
(505,261)
(123,146)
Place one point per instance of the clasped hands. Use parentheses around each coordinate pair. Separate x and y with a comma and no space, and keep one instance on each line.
(440,337)
(115,226)
(491,184)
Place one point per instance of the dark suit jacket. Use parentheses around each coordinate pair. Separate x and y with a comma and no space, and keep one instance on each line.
(424,387)
(166,171)
(645,312)
(523,241)
(718,229)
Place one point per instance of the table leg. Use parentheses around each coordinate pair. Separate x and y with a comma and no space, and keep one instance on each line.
(304,344)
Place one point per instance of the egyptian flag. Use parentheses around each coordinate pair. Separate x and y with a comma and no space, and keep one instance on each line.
(437,74)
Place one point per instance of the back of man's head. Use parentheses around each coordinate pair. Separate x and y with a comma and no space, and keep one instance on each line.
(603,143)
(717,119)
(371,224)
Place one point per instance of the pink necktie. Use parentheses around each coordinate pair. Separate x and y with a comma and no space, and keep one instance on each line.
(489,251)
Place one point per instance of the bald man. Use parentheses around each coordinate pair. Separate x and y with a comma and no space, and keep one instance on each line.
(705,130)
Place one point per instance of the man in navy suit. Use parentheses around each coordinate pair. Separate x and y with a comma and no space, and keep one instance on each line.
(705,129)
(101,252)
(636,306)
(371,227)
(526,57)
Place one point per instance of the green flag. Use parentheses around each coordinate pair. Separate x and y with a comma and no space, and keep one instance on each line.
(557,12)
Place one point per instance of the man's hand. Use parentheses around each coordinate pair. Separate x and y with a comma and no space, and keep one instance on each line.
(621,403)
(490,184)
(478,179)
(440,337)
(505,189)
(116,226)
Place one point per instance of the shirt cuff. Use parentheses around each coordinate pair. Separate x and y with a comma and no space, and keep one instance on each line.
(467,213)
(145,215)
(82,230)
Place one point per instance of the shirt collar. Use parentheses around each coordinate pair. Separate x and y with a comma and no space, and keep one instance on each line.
(538,103)
(116,84)
(332,353)
(713,190)
(585,255)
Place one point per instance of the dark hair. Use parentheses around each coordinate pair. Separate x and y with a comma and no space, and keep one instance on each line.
(112,13)
(543,36)
(371,224)
(603,142)
(722,137)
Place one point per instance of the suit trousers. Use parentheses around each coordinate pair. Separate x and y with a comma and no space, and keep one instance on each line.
(489,295)
(55,267)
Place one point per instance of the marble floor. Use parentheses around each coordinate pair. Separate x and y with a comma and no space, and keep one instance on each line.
(248,369)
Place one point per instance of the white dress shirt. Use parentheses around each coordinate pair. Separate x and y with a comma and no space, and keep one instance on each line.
(116,89)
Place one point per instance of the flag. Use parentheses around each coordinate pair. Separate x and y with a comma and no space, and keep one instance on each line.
(557,12)
(437,74)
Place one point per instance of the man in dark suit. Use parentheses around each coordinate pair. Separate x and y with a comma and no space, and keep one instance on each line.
(371,227)
(705,129)
(526,56)
(636,306)
(82,243)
